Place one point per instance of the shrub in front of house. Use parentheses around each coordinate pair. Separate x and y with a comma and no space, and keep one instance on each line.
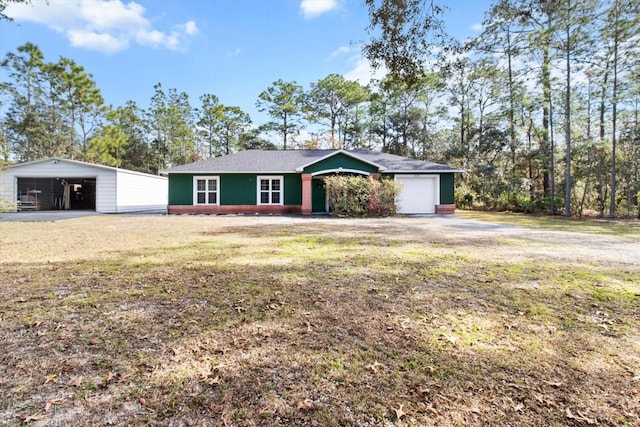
(357,196)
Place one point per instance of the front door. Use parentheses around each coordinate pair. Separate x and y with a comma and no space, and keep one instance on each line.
(318,195)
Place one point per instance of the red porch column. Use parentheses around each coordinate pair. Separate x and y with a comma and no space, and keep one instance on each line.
(306,194)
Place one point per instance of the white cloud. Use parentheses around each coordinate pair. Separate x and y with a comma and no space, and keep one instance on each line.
(363,72)
(110,15)
(96,41)
(342,50)
(107,26)
(190,28)
(312,8)
(360,68)
(477,28)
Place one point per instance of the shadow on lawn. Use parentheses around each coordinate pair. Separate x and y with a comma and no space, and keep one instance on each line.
(285,327)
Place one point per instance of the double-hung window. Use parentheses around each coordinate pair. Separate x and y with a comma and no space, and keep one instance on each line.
(270,190)
(206,190)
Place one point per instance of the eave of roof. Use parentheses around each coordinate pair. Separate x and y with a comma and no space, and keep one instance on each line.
(295,161)
(81,163)
(60,159)
(443,170)
(216,172)
(335,153)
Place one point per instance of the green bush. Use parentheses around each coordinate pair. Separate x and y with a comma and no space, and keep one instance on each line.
(359,196)
(383,197)
(464,196)
(6,205)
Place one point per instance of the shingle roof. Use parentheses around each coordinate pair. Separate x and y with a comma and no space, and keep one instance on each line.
(288,161)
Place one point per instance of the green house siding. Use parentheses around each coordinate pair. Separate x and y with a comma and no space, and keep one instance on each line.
(238,189)
(235,189)
(180,189)
(292,189)
(338,161)
(446,189)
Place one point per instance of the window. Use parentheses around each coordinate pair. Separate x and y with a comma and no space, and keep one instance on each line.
(206,190)
(270,190)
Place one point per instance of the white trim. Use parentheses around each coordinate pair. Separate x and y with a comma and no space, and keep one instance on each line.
(380,168)
(195,189)
(226,172)
(56,160)
(426,171)
(341,170)
(259,190)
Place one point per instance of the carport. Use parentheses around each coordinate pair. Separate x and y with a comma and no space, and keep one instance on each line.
(64,184)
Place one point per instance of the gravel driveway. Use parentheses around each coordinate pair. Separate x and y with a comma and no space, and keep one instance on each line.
(56,215)
(618,251)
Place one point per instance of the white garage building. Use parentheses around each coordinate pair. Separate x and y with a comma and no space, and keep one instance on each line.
(60,184)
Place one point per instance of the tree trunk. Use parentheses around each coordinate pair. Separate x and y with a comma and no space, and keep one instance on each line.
(546,119)
(567,191)
(285,131)
(614,107)
(512,125)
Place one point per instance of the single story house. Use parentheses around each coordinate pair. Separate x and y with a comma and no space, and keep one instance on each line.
(57,183)
(290,181)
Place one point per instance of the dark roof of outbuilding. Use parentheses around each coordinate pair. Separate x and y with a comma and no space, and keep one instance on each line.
(291,161)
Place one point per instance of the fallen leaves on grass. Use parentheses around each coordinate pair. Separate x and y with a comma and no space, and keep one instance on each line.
(53,402)
(51,378)
(375,367)
(304,404)
(256,323)
(399,412)
(578,416)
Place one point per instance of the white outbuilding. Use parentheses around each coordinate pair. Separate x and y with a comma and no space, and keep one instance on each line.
(59,184)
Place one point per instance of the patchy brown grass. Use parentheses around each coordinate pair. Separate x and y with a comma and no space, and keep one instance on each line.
(592,224)
(265,321)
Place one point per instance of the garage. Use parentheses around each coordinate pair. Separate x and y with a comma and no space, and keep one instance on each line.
(63,184)
(60,193)
(419,193)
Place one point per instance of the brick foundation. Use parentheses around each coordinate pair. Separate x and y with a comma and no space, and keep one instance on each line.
(234,209)
(445,209)
(261,209)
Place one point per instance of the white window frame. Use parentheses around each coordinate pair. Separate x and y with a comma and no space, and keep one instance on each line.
(207,190)
(259,190)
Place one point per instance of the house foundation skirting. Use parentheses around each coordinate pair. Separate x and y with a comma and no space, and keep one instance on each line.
(234,209)
(445,209)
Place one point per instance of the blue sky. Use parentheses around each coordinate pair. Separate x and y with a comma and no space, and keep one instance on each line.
(234,49)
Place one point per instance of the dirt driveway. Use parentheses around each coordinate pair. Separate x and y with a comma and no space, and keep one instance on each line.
(583,245)
(56,215)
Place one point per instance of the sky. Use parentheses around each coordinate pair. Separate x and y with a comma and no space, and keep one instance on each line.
(234,49)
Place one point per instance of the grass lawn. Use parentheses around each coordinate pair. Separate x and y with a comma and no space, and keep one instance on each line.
(266,321)
(618,226)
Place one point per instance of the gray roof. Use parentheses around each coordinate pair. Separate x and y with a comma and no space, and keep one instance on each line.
(292,161)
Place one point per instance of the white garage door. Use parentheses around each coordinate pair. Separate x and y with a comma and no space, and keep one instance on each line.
(419,193)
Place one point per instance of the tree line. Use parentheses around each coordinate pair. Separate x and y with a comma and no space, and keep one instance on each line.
(540,109)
